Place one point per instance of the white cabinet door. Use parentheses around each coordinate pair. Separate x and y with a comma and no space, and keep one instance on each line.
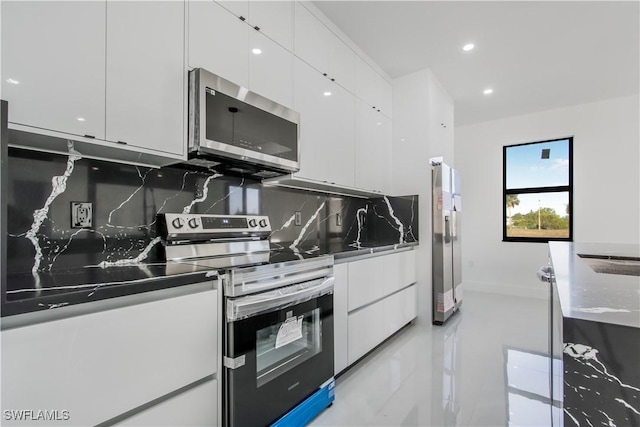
(372,88)
(368,86)
(313,106)
(365,146)
(340,324)
(145,74)
(367,329)
(218,42)
(386,102)
(270,69)
(53,65)
(275,19)
(326,126)
(323,50)
(240,8)
(372,148)
(341,63)
(400,309)
(194,407)
(340,145)
(101,365)
(311,39)
(366,281)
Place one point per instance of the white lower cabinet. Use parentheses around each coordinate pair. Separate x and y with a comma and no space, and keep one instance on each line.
(381,298)
(340,303)
(374,278)
(101,365)
(366,330)
(400,309)
(194,407)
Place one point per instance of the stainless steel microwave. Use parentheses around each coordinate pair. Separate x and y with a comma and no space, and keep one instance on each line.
(232,129)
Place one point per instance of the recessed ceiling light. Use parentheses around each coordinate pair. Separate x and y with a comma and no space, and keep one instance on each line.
(327,93)
(488,91)
(379,123)
(13,82)
(95,168)
(256,51)
(80,119)
(467,47)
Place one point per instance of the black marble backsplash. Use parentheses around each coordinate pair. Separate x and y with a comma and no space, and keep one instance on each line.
(44,188)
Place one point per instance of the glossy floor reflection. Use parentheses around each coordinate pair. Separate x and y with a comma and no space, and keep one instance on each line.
(456,374)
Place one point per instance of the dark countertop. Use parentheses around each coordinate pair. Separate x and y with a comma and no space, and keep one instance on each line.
(63,287)
(27,292)
(607,297)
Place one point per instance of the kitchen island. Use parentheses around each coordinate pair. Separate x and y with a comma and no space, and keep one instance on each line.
(595,332)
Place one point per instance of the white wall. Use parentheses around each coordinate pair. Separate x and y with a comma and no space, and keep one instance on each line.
(606,199)
(413,145)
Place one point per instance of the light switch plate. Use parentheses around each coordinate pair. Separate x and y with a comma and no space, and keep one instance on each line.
(81,214)
(298,218)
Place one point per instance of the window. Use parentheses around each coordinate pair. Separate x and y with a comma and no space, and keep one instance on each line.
(538,191)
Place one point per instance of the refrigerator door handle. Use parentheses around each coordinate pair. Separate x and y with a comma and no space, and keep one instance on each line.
(447,229)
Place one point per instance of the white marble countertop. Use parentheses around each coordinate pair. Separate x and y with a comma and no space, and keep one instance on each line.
(600,297)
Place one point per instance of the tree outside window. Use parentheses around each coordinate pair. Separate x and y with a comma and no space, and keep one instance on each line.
(538,191)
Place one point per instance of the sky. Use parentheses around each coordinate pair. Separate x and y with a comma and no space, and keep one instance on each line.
(526,168)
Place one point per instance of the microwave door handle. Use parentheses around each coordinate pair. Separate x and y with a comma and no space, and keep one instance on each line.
(277,299)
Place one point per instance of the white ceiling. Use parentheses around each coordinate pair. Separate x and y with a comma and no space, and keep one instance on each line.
(536,55)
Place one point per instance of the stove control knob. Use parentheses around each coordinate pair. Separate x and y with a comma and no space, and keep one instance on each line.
(253,223)
(263,223)
(177,223)
(193,223)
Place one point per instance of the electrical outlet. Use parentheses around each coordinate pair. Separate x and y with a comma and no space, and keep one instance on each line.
(338,219)
(298,218)
(81,214)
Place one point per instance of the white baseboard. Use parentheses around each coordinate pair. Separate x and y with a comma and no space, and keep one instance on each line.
(541,292)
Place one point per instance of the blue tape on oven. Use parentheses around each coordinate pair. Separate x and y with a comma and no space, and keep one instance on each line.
(306,411)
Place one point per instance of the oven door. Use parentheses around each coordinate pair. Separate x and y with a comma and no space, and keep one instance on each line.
(278,351)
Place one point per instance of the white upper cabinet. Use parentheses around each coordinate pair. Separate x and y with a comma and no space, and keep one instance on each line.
(270,70)
(314,111)
(209,25)
(239,8)
(272,18)
(372,149)
(372,88)
(145,74)
(323,50)
(53,65)
(247,57)
(441,107)
(326,127)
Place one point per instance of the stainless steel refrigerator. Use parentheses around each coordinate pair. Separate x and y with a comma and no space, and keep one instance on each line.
(446,252)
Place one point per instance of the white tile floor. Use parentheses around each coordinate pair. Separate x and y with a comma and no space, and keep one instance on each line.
(456,374)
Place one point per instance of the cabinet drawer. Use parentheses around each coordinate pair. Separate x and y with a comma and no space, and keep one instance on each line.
(366,281)
(374,278)
(400,309)
(101,365)
(366,330)
(194,407)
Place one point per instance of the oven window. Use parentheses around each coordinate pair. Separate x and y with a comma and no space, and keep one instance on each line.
(287,344)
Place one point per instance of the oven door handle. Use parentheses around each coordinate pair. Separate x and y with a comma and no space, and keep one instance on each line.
(277,299)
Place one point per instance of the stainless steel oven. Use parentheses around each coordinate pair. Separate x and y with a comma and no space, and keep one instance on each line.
(279,338)
(277,345)
(236,130)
